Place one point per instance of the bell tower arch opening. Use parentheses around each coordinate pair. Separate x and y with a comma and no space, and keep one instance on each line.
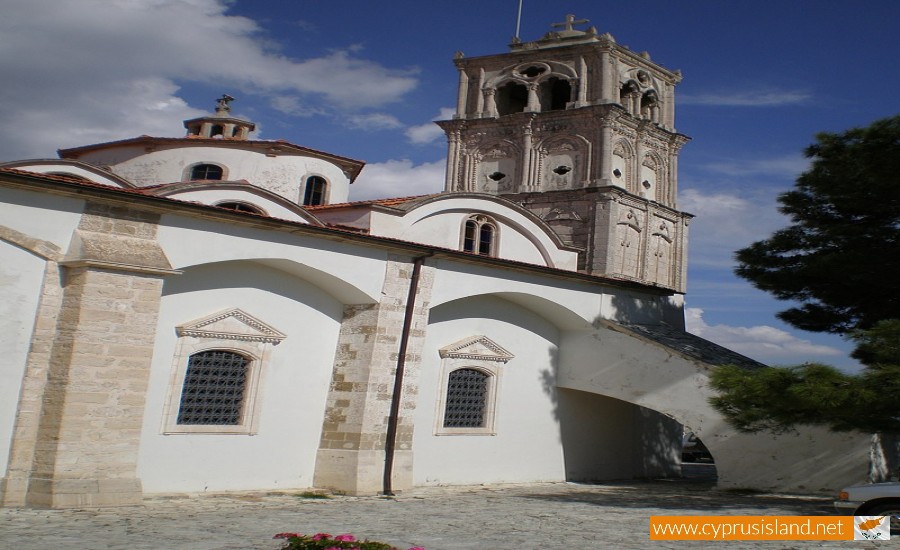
(555,94)
(512,97)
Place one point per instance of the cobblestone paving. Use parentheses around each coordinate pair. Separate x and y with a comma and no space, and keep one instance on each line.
(537,516)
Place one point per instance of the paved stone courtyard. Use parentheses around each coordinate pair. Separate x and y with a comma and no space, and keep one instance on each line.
(537,516)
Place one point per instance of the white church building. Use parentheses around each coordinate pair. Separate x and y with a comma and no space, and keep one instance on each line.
(209,313)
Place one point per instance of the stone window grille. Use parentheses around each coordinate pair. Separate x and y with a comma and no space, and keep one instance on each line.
(470,383)
(214,388)
(467,393)
(218,369)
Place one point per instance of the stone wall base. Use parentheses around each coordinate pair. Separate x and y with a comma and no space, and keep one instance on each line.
(84,493)
(12,491)
(361,472)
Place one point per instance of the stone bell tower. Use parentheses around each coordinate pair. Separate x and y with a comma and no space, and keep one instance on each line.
(581,131)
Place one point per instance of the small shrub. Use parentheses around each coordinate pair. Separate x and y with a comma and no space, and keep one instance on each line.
(324,541)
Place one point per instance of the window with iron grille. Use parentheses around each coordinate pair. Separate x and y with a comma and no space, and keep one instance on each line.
(213,391)
(467,396)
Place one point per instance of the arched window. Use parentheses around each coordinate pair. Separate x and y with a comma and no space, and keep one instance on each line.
(555,94)
(213,390)
(480,236)
(650,106)
(218,364)
(315,191)
(467,399)
(207,172)
(512,97)
(240,207)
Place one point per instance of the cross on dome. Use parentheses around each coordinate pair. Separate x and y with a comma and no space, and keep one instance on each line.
(222,104)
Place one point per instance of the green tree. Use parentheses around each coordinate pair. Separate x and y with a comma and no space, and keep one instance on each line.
(839,257)
(839,261)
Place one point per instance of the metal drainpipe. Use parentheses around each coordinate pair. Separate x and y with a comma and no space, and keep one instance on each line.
(390,442)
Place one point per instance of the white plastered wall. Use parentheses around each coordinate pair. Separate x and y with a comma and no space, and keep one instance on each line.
(21,279)
(217,196)
(526,444)
(292,390)
(440,223)
(283,175)
(39,217)
(351,272)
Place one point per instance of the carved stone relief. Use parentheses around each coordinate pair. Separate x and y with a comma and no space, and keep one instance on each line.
(628,238)
(661,242)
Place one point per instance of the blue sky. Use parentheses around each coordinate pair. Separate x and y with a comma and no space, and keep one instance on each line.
(364,79)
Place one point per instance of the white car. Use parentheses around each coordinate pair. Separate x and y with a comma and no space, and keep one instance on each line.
(875,499)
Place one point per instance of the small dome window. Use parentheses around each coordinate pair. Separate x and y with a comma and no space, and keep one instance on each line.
(314,195)
(207,172)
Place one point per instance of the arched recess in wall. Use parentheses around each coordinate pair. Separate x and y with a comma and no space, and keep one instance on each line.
(248,273)
(495,168)
(652,177)
(558,315)
(623,166)
(563,162)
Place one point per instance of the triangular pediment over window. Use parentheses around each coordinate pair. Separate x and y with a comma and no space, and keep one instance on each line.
(479,348)
(232,324)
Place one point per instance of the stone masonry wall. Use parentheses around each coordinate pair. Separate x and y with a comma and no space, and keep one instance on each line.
(97,364)
(351,451)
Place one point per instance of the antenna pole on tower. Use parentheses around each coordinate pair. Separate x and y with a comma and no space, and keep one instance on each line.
(519,19)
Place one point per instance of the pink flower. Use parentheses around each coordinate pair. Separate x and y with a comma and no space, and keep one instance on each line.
(346,538)
(417,548)
(287,535)
(320,536)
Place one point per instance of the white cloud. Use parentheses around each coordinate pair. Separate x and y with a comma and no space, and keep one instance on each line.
(726,222)
(764,343)
(373,121)
(295,106)
(787,166)
(398,178)
(97,70)
(756,98)
(429,132)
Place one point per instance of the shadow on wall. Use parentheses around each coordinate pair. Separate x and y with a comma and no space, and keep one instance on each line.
(646,310)
(604,438)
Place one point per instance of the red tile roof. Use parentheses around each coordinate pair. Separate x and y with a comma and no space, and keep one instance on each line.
(373,202)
